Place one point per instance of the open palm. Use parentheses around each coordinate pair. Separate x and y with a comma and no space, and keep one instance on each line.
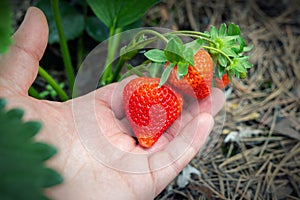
(97,156)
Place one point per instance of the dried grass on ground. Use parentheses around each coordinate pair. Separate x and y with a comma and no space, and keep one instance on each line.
(265,163)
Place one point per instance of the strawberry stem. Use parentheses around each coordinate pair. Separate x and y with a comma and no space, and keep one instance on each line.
(219,51)
(151,32)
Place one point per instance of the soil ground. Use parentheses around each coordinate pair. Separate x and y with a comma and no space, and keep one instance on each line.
(262,112)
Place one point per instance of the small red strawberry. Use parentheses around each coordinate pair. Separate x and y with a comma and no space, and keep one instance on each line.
(198,81)
(150,109)
(222,83)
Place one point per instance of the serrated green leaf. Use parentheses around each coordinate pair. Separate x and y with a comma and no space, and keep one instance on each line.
(15,113)
(247,65)
(222,30)
(195,45)
(43,151)
(248,48)
(242,43)
(233,29)
(166,73)
(31,128)
(222,60)
(182,69)
(22,159)
(188,55)
(173,51)
(229,52)
(120,13)
(72,21)
(221,72)
(213,31)
(6,28)
(50,177)
(156,55)
(2,103)
(176,38)
(155,69)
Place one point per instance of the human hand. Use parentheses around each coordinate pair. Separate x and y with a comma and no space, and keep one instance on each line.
(90,166)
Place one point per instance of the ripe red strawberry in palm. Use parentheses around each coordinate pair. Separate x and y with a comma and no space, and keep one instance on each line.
(198,81)
(222,83)
(150,109)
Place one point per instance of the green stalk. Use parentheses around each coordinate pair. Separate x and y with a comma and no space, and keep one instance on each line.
(113,43)
(159,35)
(60,92)
(219,51)
(80,40)
(63,44)
(179,33)
(34,93)
(193,33)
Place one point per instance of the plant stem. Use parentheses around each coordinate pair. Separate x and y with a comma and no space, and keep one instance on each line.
(193,33)
(113,43)
(63,44)
(219,51)
(159,35)
(80,46)
(60,92)
(34,93)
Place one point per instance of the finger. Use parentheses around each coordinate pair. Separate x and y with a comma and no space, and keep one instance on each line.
(18,68)
(180,150)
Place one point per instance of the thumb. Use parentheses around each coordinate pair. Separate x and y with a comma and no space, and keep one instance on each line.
(19,67)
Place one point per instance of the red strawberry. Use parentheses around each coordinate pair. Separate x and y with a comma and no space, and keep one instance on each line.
(198,81)
(150,109)
(222,83)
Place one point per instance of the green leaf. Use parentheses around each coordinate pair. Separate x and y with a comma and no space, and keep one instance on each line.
(72,21)
(213,32)
(6,28)
(22,167)
(31,128)
(96,29)
(247,48)
(155,69)
(182,69)
(233,29)
(119,13)
(229,52)
(43,151)
(222,60)
(15,113)
(188,55)
(156,55)
(222,30)
(166,73)
(195,45)
(173,51)
(2,103)
(51,177)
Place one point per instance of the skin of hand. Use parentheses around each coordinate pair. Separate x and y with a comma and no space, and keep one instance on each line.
(84,176)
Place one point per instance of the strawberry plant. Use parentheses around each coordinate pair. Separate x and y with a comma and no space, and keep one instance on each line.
(211,58)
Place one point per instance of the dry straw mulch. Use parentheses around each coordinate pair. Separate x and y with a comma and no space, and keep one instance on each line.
(263,111)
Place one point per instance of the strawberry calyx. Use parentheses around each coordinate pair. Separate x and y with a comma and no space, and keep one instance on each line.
(175,54)
(226,46)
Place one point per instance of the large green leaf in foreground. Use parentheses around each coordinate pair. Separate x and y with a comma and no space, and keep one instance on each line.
(23,173)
